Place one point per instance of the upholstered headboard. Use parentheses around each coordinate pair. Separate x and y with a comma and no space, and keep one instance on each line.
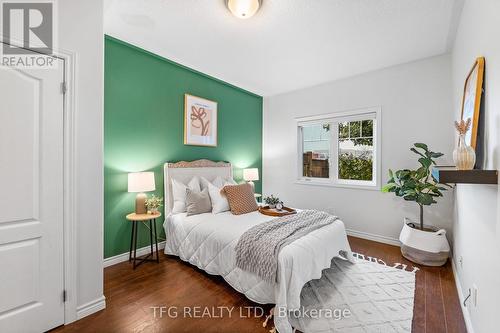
(184,171)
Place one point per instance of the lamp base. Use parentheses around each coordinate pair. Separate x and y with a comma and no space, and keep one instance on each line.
(252,184)
(140,203)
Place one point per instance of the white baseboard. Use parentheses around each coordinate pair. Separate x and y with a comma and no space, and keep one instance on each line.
(373,237)
(467,319)
(91,307)
(124,256)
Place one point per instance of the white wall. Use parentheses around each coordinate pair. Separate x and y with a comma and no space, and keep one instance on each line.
(81,32)
(477,226)
(416,101)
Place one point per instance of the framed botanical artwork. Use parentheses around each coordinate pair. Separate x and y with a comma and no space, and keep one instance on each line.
(200,121)
(471,102)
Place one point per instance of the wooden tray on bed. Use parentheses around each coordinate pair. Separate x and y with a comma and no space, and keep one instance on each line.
(274,212)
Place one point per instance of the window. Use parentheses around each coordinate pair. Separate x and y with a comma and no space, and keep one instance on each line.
(340,149)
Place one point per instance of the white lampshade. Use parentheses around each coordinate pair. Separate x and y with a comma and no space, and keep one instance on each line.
(251,174)
(243,9)
(141,182)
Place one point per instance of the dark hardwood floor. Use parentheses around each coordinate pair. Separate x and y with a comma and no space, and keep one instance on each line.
(130,296)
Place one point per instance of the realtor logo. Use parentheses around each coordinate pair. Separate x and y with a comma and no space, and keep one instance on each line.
(28,31)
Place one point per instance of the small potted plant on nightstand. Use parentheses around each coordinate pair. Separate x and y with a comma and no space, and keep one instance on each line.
(423,244)
(153,204)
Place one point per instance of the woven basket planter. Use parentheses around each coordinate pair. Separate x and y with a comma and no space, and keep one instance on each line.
(429,248)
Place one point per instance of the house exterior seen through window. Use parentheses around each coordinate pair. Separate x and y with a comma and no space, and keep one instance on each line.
(316,150)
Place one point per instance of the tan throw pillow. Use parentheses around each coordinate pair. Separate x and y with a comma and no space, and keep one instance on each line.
(197,202)
(241,198)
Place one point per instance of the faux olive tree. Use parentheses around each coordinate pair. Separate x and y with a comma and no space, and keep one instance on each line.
(417,185)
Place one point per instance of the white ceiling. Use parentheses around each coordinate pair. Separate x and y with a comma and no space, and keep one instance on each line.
(288,44)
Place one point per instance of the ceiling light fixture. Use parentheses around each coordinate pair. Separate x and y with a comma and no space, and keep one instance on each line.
(243,9)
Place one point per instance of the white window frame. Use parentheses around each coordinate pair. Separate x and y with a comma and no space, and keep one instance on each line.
(334,119)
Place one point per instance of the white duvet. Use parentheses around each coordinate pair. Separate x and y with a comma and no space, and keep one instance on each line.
(208,241)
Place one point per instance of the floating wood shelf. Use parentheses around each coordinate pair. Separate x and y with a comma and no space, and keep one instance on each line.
(450,175)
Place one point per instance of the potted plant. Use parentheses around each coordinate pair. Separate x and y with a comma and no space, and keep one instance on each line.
(423,244)
(153,204)
(271,201)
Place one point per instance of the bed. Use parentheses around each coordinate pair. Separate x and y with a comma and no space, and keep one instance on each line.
(208,242)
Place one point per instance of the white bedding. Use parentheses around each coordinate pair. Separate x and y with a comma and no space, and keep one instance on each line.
(208,242)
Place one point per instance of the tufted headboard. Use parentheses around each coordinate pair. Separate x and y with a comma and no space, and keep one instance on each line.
(184,171)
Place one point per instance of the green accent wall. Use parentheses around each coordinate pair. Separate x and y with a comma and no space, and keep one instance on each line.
(143,129)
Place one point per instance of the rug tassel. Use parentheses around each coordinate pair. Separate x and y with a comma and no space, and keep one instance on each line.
(273,330)
(264,324)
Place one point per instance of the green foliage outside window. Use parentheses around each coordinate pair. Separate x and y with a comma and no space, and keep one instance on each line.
(356,129)
(343,130)
(355,168)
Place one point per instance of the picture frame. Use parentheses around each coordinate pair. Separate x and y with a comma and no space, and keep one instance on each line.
(200,121)
(471,101)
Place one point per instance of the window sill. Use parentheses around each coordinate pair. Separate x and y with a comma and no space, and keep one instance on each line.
(341,185)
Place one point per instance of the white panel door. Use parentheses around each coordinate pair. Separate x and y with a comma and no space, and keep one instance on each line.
(31,199)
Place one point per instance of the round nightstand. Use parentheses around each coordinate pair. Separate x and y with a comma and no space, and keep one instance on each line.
(143,218)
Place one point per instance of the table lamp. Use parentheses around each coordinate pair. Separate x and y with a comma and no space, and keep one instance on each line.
(249,175)
(140,182)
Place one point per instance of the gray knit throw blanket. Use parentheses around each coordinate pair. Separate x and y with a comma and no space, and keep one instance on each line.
(258,248)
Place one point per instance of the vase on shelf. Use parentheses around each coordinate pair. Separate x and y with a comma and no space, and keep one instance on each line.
(464,156)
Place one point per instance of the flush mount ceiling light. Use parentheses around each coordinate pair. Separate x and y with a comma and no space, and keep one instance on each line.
(243,9)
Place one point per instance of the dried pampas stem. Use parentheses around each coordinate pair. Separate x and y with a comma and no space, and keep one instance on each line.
(463,126)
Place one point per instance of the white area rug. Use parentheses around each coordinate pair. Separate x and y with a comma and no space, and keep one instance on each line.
(379,298)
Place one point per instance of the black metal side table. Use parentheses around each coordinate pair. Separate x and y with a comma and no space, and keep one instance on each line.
(136,219)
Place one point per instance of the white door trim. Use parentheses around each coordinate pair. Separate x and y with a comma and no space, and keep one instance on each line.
(70,186)
(69,183)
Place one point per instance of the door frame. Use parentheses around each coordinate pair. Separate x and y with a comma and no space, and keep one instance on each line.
(70,257)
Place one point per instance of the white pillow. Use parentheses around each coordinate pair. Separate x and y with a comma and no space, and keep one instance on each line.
(219,201)
(179,193)
(218,182)
(230,181)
